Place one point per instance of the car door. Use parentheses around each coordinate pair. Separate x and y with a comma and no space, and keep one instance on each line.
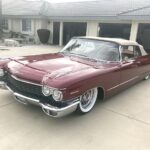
(129,66)
(143,61)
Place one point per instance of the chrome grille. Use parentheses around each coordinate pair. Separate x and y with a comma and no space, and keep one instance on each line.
(22,86)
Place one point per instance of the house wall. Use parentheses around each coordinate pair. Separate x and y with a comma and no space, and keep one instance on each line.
(15,25)
(50,27)
(134,30)
(37,25)
(9,24)
(92,28)
(43,24)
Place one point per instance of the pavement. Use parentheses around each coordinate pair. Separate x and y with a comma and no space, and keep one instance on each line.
(121,122)
(6,51)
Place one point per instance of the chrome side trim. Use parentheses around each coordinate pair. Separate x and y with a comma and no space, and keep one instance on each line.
(25,81)
(123,83)
(74,92)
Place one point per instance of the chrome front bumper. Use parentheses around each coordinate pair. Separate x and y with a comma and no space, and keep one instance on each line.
(48,109)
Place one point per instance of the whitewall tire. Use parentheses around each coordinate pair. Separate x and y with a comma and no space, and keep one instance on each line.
(87,100)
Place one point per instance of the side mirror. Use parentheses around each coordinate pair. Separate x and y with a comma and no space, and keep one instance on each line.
(128,60)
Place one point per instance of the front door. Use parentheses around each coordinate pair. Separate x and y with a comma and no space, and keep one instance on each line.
(129,67)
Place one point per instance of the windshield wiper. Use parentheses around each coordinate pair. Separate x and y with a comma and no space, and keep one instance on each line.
(84,56)
(62,52)
(79,55)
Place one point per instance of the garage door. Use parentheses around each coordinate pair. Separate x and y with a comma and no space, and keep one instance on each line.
(115,30)
(72,29)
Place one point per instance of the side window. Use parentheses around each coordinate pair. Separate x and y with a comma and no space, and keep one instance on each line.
(127,52)
(130,52)
(137,52)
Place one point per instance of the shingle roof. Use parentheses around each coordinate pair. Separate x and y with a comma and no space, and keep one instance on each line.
(93,8)
(141,13)
(22,8)
(89,10)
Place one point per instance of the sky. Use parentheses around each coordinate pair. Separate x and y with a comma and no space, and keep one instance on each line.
(58,1)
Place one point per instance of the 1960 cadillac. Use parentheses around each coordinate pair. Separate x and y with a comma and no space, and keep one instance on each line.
(85,70)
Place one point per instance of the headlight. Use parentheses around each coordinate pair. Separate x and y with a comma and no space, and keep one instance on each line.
(57,95)
(47,90)
(2,73)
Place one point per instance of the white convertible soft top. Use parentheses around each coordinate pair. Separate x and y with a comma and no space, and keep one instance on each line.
(117,40)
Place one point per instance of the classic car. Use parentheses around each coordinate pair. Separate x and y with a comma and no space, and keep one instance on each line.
(86,69)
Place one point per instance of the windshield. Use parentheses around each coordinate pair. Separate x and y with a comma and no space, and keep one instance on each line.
(93,49)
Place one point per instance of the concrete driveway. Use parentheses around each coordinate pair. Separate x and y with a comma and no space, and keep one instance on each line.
(119,123)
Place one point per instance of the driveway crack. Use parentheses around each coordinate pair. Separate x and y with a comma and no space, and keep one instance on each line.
(6,105)
(127,116)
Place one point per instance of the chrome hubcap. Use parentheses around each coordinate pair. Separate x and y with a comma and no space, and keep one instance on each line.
(147,77)
(87,100)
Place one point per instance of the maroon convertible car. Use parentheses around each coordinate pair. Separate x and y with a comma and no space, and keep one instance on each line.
(85,70)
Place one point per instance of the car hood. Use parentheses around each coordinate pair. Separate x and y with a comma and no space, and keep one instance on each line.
(56,66)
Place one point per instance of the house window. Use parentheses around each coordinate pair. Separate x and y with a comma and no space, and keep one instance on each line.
(26,25)
(5,24)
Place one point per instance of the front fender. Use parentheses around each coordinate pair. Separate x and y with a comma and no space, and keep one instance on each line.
(4,61)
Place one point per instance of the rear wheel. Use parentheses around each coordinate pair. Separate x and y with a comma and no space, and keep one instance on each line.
(87,101)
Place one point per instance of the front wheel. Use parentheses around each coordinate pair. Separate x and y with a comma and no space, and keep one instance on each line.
(87,101)
(146,77)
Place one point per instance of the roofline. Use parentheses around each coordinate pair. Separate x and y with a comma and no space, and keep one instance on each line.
(25,16)
(135,17)
(133,10)
(124,18)
(72,2)
(84,18)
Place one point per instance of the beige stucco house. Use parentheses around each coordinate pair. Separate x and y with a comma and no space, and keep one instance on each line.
(128,19)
